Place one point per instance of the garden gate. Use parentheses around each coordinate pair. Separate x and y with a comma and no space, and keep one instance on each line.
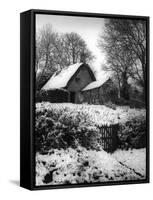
(109,137)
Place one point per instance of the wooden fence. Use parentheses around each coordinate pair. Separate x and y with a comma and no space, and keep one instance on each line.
(109,137)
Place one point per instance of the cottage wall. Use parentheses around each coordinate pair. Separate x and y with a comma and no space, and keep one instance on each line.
(91,96)
(104,94)
(81,80)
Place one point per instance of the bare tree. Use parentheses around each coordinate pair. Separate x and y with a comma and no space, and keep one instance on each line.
(38,55)
(55,51)
(48,39)
(45,51)
(124,42)
(75,48)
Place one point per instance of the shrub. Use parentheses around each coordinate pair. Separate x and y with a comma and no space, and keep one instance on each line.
(64,128)
(121,102)
(109,104)
(54,96)
(133,103)
(132,134)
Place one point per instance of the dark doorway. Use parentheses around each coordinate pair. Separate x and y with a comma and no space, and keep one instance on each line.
(72,97)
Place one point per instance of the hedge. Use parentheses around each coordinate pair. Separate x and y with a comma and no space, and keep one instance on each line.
(64,128)
(53,96)
(132,134)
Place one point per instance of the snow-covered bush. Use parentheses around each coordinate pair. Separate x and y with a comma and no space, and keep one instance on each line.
(63,128)
(99,114)
(132,134)
(67,125)
(109,104)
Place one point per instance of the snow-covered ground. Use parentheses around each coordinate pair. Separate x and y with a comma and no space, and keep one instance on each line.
(72,166)
(135,159)
(100,114)
(85,166)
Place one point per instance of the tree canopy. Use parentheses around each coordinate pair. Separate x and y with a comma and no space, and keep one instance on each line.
(124,43)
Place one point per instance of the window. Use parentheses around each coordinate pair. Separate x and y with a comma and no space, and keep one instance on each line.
(77,80)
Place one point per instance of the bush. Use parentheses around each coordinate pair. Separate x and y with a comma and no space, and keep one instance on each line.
(64,128)
(121,102)
(53,96)
(133,103)
(132,134)
(109,104)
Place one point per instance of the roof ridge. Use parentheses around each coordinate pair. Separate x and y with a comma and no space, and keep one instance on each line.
(92,85)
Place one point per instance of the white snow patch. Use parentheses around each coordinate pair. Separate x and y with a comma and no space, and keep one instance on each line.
(96,84)
(134,158)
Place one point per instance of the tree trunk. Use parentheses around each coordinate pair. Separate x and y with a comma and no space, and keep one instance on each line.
(46,62)
(73,56)
(125,87)
(119,92)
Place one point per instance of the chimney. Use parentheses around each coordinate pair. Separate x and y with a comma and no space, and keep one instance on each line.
(83,57)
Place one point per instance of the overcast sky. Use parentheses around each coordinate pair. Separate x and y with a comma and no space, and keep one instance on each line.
(88,28)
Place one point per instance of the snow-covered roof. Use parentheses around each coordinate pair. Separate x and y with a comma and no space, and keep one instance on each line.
(95,84)
(61,78)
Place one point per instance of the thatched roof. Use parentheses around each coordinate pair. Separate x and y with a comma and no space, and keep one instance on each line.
(61,78)
(96,84)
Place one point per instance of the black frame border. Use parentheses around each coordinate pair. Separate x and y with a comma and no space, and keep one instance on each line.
(29,181)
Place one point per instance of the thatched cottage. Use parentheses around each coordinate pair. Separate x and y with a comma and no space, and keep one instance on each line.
(80,83)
